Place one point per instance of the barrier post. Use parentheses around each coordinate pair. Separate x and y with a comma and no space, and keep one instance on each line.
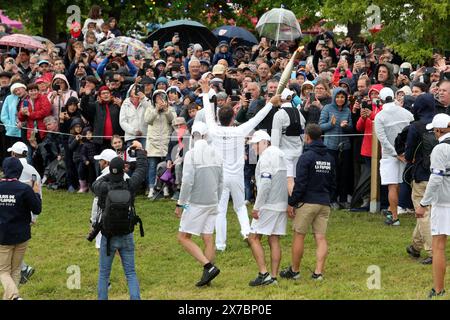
(374,174)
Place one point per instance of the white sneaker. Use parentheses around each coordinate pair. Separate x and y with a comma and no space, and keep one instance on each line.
(151,193)
(166,191)
(401,210)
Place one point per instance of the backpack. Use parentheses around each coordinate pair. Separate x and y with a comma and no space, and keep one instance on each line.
(295,125)
(119,215)
(426,145)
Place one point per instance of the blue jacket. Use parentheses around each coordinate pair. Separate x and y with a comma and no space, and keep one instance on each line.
(327,113)
(17,201)
(226,56)
(315,176)
(9,116)
(102,65)
(423,111)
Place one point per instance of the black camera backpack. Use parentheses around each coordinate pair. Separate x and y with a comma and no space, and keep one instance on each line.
(119,215)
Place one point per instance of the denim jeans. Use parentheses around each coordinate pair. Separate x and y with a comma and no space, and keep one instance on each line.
(152,163)
(125,246)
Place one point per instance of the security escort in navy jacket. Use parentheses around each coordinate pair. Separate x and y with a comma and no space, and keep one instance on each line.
(423,111)
(315,176)
(17,202)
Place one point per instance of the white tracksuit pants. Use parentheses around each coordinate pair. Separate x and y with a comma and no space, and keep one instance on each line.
(234,186)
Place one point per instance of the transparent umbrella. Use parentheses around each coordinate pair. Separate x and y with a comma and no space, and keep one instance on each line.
(120,44)
(279,24)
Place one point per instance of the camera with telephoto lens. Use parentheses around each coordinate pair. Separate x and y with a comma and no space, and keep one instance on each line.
(96,228)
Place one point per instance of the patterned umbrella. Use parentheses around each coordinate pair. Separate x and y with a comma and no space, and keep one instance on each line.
(119,45)
(21,41)
(280,25)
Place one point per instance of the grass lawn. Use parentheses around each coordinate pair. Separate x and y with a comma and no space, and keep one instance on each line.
(165,271)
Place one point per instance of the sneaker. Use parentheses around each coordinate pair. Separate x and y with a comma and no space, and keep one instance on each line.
(208,276)
(176,195)
(109,285)
(391,222)
(289,274)
(413,252)
(17,298)
(401,210)
(411,211)
(26,274)
(263,280)
(428,260)
(433,294)
(151,193)
(386,212)
(335,206)
(317,277)
(71,189)
(166,192)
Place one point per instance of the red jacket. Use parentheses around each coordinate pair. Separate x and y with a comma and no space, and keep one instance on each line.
(41,109)
(365,125)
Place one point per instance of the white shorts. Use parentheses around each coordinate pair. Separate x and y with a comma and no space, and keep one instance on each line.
(270,223)
(198,220)
(440,220)
(291,166)
(391,171)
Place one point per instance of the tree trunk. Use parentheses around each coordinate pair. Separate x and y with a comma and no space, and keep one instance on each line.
(49,22)
(354,30)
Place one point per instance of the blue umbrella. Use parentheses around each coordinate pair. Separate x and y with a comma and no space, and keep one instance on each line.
(243,36)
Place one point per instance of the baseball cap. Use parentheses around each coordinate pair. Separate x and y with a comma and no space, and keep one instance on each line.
(259,136)
(286,93)
(107,155)
(116,166)
(218,69)
(440,121)
(18,148)
(199,127)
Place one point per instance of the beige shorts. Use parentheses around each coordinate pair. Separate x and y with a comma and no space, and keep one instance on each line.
(309,214)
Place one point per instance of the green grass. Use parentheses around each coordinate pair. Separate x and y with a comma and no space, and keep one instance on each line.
(165,271)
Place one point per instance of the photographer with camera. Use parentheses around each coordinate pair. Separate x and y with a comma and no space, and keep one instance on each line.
(118,218)
(132,113)
(61,92)
(158,117)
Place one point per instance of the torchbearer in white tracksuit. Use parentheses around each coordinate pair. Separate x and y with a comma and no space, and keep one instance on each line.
(229,142)
(287,128)
(437,194)
(269,213)
(201,188)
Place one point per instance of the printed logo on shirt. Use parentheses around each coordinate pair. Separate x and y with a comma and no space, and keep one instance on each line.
(7,200)
(266,175)
(323,166)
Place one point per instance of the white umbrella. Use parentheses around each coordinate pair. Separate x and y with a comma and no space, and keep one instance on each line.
(280,25)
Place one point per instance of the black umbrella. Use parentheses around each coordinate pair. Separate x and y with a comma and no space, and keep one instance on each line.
(189,32)
(243,36)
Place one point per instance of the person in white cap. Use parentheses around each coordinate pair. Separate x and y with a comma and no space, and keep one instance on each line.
(9,113)
(31,177)
(269,212)
(201,188)
(104,158)
(287,128)
(389,122)
(229,142)
(437,194)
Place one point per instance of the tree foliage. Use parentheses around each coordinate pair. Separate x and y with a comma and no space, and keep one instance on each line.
(411,28)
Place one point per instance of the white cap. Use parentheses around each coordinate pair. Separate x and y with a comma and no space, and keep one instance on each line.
(286,93)
(107,155)
(18,148)
(197,47)
(16,86)
(199,127)
(205,75)
(386,92)
(260,135)
(440,121)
